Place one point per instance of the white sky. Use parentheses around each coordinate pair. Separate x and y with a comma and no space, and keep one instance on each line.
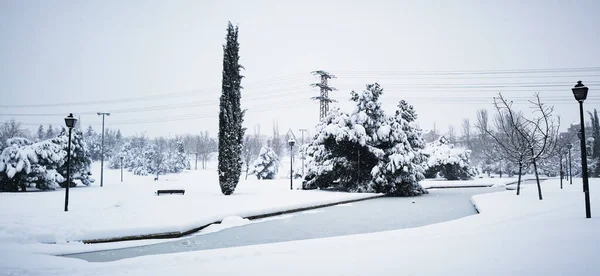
(97,53)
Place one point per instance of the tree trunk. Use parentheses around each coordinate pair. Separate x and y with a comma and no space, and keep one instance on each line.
(519,181)
(537,179)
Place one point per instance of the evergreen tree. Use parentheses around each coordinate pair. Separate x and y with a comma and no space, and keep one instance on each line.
(402,167)
(80,163)
(180,159)
(40,133)
(367,151)
(50,132)
(89,132)
(595,162)
(231,133)
(266,165)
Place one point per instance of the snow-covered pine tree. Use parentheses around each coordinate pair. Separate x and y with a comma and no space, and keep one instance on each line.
(179,158)
(44,174)
(231,116)
(342,151)
(40,135)
(142,163)
(335,154)
(50,132)
(93,143)
(367,151)
(80,162)
(266,164)
(158,156)
(400,170)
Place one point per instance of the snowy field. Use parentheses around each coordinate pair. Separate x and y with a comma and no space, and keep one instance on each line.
(513,235)
(132,208)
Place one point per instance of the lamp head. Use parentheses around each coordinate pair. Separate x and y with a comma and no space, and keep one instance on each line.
(70,121)
(580,91)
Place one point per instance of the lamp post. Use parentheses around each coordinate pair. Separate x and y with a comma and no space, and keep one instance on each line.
(102,150)
(561,169)
(580,92)
(70,122)
(121,157)
(569,146)
(291,142)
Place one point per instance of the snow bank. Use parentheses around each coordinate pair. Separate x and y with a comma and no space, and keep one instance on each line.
(131,208)
(477,182)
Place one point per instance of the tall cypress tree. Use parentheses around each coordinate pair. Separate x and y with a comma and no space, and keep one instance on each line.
(596,135)
(231,116)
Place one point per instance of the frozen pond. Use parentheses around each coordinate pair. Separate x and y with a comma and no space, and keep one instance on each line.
(355,218)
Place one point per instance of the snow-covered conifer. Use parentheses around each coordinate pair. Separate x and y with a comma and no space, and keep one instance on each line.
(367,151)
(450,162)
(266,165)
(231,116)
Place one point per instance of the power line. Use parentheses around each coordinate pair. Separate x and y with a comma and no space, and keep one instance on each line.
(126,99)
(345,74)
(289,95)
(475,72)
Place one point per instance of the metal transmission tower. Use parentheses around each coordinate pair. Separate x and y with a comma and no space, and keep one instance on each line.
(325,88)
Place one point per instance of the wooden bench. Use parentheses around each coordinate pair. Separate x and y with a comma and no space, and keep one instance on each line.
(159,192)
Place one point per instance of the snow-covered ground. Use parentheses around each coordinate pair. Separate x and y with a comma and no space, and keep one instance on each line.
(513,235)
(132,208)
(481,180)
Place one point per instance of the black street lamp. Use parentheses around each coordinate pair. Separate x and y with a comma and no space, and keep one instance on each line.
(70,122)
(562,173)
(580,92)
(569,146)
(121,157)
(291,142)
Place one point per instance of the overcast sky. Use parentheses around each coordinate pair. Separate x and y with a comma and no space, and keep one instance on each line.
(156,65)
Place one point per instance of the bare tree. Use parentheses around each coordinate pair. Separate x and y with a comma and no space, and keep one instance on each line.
(518,138)
(543,134)
(509,144)
(252,145)
(205,145)
(10,129)
(451,134)
(466,132)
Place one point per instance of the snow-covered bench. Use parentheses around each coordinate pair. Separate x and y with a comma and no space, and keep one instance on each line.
(159,192)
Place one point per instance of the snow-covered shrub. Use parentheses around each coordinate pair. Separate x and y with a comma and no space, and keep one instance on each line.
(448,161)
(15,165)
(367,151)
(266,165)
(18,141)
(43,164)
